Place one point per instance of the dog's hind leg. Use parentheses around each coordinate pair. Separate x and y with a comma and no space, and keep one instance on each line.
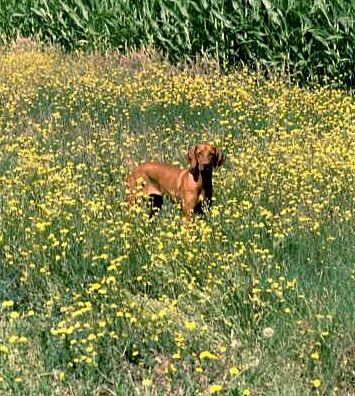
(156,202)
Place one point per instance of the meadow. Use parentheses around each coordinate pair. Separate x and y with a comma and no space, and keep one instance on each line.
(256,298)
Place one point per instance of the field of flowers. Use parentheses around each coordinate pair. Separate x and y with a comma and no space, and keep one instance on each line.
(257,298)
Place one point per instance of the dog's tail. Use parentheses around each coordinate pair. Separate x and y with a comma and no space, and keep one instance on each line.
(128,163)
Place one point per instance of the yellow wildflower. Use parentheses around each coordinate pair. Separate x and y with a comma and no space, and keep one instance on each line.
(215,388)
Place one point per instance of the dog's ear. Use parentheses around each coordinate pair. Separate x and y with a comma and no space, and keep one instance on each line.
(219,156)
(191,157)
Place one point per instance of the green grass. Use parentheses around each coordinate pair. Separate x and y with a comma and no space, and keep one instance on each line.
(256,298)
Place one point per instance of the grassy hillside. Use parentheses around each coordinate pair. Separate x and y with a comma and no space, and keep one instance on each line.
(257,298)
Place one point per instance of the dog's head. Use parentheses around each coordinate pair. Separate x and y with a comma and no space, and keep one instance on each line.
(205,157)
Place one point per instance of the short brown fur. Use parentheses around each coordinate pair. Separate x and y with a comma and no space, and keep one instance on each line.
(191,186)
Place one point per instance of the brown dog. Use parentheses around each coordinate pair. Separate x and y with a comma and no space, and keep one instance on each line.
(191,186)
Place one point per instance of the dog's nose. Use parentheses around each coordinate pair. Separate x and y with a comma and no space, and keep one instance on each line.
(205,165)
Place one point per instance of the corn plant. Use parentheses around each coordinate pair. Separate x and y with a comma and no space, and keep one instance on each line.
(300,38)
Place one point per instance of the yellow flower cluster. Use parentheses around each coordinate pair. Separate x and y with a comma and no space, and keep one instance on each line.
(91,285)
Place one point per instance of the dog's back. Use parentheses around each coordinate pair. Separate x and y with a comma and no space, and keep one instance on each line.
(155,178)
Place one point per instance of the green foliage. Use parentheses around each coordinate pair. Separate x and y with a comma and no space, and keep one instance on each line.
(96,298)
(301,38)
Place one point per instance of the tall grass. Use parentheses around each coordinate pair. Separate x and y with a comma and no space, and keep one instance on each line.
(301,38)
(254,299)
